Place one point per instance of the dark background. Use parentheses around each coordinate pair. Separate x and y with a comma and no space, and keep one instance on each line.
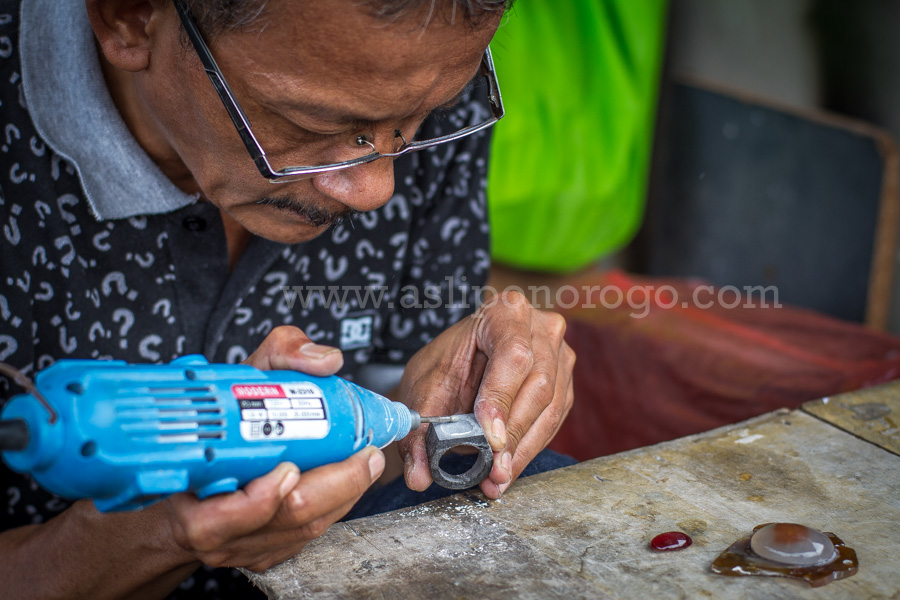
(749,186)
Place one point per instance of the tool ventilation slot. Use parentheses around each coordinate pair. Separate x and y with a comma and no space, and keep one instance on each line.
(171,415)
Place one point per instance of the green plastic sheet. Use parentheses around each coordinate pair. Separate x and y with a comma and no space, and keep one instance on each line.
(570,160)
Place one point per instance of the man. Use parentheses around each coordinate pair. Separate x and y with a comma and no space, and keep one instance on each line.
(140,223)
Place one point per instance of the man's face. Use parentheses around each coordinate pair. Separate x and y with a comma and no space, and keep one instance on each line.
(311,77)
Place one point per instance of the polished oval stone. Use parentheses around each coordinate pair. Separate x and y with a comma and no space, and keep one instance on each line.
(671,540)
(792,544)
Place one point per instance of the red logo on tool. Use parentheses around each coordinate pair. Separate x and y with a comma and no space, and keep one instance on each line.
(252,392)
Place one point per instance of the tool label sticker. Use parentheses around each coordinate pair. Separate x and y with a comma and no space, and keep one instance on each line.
(288,411)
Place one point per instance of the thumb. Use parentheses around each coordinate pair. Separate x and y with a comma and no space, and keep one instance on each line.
(288,348)
(416,471)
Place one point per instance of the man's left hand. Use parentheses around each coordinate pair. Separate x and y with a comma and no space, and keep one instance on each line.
(510,362)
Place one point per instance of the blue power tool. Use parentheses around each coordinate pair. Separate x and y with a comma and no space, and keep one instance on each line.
(127,435)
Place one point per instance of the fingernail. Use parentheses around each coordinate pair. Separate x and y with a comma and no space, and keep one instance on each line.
(409,465)
(317,351)
(503,486)
(498,428)
(289,481)
(506,463)
(376,465)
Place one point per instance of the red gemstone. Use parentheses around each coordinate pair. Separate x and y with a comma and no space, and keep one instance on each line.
(671,540)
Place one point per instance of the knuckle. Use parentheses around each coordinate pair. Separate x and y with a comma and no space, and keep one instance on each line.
(508,300)
(200,537)
(515,298)
(498,399)
(556,324)
(216,559)
(317,528)
(181,537)
(560,324)
(569,356)
(519,354)
(544,382)
(299,507)
(558,411)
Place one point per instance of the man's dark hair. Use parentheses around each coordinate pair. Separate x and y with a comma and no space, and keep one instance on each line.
(217,16)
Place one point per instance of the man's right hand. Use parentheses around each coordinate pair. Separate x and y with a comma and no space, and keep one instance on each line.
(145,554)
(273,517)
(276,515)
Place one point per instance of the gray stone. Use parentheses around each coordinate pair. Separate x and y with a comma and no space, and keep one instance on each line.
(442,437)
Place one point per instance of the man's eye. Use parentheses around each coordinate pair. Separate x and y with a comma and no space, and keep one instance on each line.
(319,134)
(307,136)
(325,131)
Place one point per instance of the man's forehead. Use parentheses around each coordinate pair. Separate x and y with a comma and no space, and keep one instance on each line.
(219,16)
(319,50)
(320,107)
(345,32)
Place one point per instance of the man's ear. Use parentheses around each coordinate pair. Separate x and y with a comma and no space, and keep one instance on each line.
(125,29)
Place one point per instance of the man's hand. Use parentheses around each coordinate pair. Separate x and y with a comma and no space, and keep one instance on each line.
(276,515)
(510,362)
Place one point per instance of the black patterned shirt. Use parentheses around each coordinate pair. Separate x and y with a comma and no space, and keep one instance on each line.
(117,267)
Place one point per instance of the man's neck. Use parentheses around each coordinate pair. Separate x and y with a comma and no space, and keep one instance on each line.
(137,118)
(143,128)
(237,237)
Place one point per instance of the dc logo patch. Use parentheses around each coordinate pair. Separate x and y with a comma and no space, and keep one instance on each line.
(356,332)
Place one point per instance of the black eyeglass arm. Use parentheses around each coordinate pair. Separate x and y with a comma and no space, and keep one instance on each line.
(240,120)
(490,76)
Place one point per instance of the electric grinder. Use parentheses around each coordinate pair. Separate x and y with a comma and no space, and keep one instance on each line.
(128,435)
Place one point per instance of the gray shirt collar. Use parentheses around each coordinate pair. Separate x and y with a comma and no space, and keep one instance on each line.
(73,112)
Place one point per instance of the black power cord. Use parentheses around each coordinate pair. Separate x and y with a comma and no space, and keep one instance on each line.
(13,434)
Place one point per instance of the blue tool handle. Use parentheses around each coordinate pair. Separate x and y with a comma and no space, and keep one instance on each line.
(128,435)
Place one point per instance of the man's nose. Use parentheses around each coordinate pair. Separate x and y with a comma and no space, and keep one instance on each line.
(364,187)
(367,186)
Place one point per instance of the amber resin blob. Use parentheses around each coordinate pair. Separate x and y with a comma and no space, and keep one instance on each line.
(789,550)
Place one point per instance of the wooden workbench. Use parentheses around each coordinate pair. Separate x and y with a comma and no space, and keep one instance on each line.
(583,531)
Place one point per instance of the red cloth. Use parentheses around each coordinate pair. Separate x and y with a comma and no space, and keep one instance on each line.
(682,370)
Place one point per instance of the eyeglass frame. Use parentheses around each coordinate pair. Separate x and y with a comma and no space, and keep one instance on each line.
(242,123)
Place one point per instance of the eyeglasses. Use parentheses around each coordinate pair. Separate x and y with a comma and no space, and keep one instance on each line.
(242,123)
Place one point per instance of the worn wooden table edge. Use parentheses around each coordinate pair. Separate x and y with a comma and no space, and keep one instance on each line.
(776,418)
(867,414)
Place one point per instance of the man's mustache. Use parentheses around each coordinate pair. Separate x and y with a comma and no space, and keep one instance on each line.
(317,215)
